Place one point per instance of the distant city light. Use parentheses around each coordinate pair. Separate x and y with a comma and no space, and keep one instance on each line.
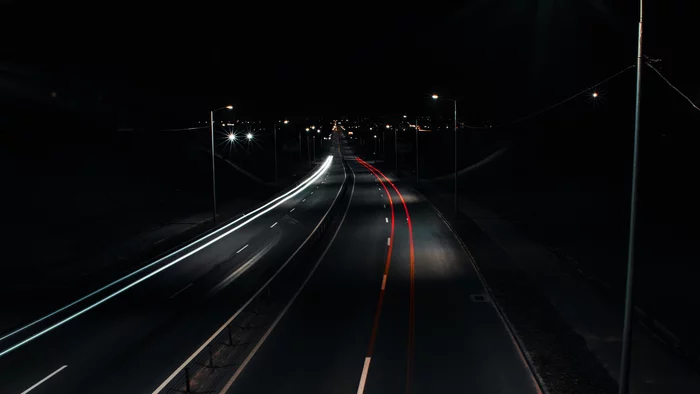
(388,126)
(286,121)
(231,137)
(435,96)
(318,131)
(313,127)
(404,116)
(375,136)
(595,94)
(307,129)
(249,136)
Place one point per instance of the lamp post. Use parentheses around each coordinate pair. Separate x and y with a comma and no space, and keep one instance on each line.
(416,150)
(436,97)
(274,142)
(213,168)
(627,325)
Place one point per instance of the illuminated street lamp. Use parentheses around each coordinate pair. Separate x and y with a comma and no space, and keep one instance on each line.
(249,136)
(435,97)
(231,137)
(307,129)
(595,94)
(213,169)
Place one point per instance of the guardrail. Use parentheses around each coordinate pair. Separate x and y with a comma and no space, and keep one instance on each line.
(224,352)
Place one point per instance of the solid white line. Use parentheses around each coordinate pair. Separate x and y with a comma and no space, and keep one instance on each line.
(241,249)
(273,224)
(180,291)
(45,379)
(363,377)
(384,282)
(387,220)
(260,290)
(292,210)
(388,241)
(276,201)
(291,301)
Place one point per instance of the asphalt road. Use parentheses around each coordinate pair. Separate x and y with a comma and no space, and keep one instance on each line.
(131,341)
(394,306)
(377,317)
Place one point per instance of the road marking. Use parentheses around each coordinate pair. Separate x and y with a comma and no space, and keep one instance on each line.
(256,212)
(412,296)
(260,290)
(384,205)
(388,241)
(292,210)
(363,378)
(304,200)
(387,220)
(289,304)
(273,224)
(181,290)
(312,192)
(241,249)
(384,283)
(45,379)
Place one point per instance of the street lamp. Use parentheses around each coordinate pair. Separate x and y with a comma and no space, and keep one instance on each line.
(231,137)
(213,168)
(595,94)
(249,136)
(275,146)
(435,97)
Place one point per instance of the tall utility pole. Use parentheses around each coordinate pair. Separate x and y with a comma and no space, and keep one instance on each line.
(455,103)
(213,167)
(416,150)
(396,150)
(274,142)
(627,328)
(308,150)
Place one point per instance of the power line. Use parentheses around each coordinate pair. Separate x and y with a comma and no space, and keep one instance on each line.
(526,117)
(674,88)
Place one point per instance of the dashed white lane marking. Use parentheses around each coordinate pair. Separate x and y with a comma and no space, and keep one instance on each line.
(384,282)
(363,378)
(241,249)
(388,241)
(384,205)
(312,192)
(273,224)
(292,210)
(387,220)
(180,291)
(304,200)
(47,378)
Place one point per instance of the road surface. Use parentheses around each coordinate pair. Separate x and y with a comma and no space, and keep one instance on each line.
(375,319)
(395,305)
(132,341)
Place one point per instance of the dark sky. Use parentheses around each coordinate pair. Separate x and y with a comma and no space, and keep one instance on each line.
(502,58)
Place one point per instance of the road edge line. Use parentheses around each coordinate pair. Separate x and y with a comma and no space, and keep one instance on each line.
(519,345)
(245,362)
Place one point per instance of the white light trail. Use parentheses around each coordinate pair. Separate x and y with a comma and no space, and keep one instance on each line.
(260,211)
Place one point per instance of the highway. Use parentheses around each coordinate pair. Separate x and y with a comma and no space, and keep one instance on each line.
(393,305)
(129,336)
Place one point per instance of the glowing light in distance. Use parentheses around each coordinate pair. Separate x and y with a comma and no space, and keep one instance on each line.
(229,107)
(249,136)
(435,96)
(595,94)
(286,121)
(231,137)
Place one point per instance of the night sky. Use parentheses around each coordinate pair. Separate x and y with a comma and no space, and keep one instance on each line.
(501,58)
